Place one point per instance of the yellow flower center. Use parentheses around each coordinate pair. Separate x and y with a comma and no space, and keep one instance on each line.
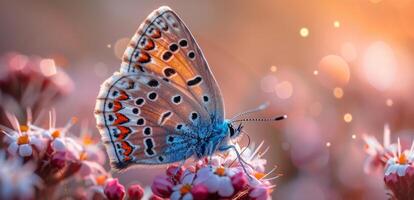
(100,180)
(221,171)
(87,140)
(23,139)
(56,134)
(24,128)
(402,159)
(258,175)
(185,189)
(83,156)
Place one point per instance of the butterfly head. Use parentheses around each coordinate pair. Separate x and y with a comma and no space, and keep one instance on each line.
(234,130)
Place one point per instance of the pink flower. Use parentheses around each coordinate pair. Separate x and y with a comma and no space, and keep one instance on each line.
(259,192)
(59,160)
(114,190)
(183,189)
(199,192)
(378,154)
(172,170)
(162,186)
(135,192)
(216,179)
(239,181)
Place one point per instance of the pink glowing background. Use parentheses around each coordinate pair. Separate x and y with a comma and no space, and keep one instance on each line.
(338,69)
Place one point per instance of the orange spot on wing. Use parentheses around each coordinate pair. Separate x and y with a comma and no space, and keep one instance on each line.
(117,106)
(120,119)
(149,45)
(125,131)
(126,159)
(123,96)
(127,148)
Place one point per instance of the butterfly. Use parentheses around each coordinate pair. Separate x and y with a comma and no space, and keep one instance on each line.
(164,104)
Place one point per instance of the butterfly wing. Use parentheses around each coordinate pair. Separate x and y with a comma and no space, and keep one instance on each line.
(163,99)
(146,120)
(164,46)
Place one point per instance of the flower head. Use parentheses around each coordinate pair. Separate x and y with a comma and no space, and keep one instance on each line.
(222,176)
(17,180)
(399,173)
(378,154)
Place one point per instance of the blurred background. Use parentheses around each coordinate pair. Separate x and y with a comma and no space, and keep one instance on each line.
(338,69)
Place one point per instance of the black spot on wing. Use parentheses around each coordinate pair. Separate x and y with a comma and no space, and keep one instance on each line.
(196,80)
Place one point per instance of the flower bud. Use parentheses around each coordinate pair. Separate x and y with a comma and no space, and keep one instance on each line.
(199,192)
(114,190)
(135,192)
(162,186)
(239,181)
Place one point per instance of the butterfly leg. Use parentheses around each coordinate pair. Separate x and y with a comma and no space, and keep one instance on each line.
(242,162)
(181,165)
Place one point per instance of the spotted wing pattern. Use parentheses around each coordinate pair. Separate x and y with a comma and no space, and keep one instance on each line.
(163,45)
(163,99)
(146,120)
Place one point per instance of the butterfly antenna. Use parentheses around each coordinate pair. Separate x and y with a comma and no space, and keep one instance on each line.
(257,109)
(245,148)
(278,118)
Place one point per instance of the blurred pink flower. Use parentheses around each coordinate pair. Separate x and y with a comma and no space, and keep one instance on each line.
(378,154)
(17,180)
(216,179)
(114,190)
(135,192)
(162,186)
(30,82)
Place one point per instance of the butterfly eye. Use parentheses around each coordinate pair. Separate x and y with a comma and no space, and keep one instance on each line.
(231,130)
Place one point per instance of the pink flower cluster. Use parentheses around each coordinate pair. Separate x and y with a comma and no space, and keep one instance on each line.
(220,177)
(57,160)
(397,165)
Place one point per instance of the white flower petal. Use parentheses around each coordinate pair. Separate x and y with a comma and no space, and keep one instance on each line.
(25,150)
(391,169)
(212,183)
(202,175)
(13,147)
(37,142)
(58,145)
(187,178)
(175,195)
(188,196)
(225,188)
(401,170)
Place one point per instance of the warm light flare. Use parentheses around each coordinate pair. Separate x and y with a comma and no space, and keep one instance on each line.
(48,67)
(347,117)
(304,32)
(338,92)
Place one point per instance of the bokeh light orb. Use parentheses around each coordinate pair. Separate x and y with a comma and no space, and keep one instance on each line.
(348,117)
(17,62)
(273,68)
(389,102)
(268,83)
(333,71)
(48,67)
(120,46)
(284,90)
(304,32)
(338,92)
(379,65)
(336,24)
